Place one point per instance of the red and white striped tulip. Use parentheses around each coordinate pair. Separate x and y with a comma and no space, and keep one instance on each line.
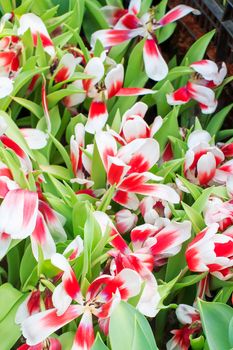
(150,246)
(212,252)
(199,89)
(128,26)
(190,318)
(217,211)
(128,169)
(102,296)
(210,71)
(193,91)
(113,86)
(133,125)
(200,153)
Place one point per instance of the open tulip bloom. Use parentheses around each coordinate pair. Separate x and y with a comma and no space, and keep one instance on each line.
(128,25)
(116,180)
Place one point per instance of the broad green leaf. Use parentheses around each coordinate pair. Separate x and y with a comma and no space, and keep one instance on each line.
(99,344)
(11,295)
(200,203)
(224,294)
(9,331)
(77,7)
(168,167)
(130,328)
(62,152)
(22,79)
(6,6)
(215,318)
(62,39)
(66,340)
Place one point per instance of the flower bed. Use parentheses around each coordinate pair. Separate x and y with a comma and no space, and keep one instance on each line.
(116,181)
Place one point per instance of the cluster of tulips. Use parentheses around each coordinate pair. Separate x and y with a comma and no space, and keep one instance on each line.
(115,232)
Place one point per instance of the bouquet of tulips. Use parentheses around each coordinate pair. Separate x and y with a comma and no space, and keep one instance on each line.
(116,181)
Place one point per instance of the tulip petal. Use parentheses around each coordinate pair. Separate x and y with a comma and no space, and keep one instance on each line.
(155,66)
(140,154)
(38,327)
(54,220)
(131,91)
(114,80)
(84,337)
(35,138)
(42,238)
(18,213)
(107,146)
(206,173)
(177,13)
(137,183)
(6,87)
(112,37)
(97,117)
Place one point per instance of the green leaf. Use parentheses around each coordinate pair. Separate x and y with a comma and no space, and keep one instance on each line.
(63,153)
(10,299)
(135,63)
(129,329)
(57,171)
(194,190)
(99,344)
(160,99)
(56,96)
(9,293)
(77,7)
(198,49)
(166,32)
(168,167)
(215,318)
(98,173)
(30,105)
(66,340)
(28,262)
(9,331)
(195,217)
(189,281)
(170,127)
(217,120)
(6,6)
(96,14)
